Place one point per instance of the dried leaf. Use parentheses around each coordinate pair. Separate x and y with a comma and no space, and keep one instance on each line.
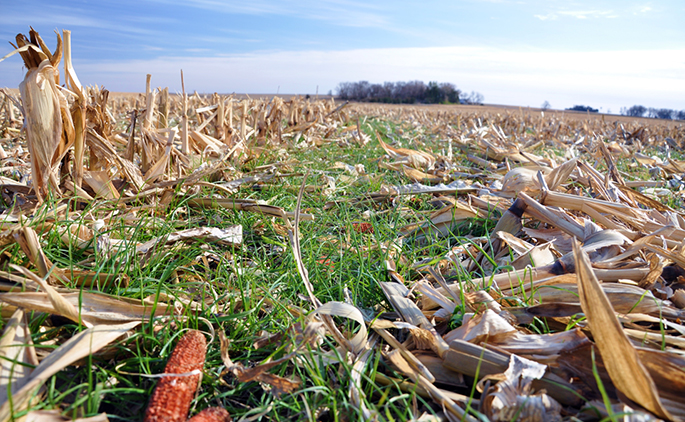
(340,309)
(17,355)
(278,385)
(59,303)
(514,397)
(79,346)
(231,236)
(56,416)
(91,308)
(620,358)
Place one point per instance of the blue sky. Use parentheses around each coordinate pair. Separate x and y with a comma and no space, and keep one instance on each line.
(603,53)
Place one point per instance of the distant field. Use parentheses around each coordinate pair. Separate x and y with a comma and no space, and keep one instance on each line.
(492,108)
(524,111)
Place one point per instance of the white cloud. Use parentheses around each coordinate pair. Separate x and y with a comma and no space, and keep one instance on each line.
(578,14)
(584,14)
(518,77)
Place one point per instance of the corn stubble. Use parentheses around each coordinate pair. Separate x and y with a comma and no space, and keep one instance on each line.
(570,304)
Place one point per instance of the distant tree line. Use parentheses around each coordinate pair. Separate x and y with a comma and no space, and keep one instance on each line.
(637,111)
(583,108)
(656,113)
(406,93)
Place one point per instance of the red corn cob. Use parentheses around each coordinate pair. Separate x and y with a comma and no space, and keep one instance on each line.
(362,227)
(170,402)
(212,414)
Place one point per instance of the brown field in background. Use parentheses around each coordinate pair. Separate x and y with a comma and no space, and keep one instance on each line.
(487,108)
(527,111)
(451,108)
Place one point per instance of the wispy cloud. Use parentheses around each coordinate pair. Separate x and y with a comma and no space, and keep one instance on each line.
(68,17)
(218,40)
(547,17)
(642,9)
(48,18)
(337,12)
(198,50)
(585,14)
(578,14)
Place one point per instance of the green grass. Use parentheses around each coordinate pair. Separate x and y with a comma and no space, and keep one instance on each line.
(253,291)
(256,289)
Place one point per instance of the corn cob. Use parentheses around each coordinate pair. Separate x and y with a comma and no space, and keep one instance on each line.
(170,402)
(212,414)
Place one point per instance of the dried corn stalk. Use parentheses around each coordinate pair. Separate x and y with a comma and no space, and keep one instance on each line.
(45,109)
(78,111)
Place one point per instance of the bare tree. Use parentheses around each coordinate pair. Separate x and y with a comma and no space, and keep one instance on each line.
(661,113)
(473,98)
(402,92)
(583,108)
(450,92)
(636,111)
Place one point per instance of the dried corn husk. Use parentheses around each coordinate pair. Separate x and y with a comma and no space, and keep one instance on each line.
(42,103)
